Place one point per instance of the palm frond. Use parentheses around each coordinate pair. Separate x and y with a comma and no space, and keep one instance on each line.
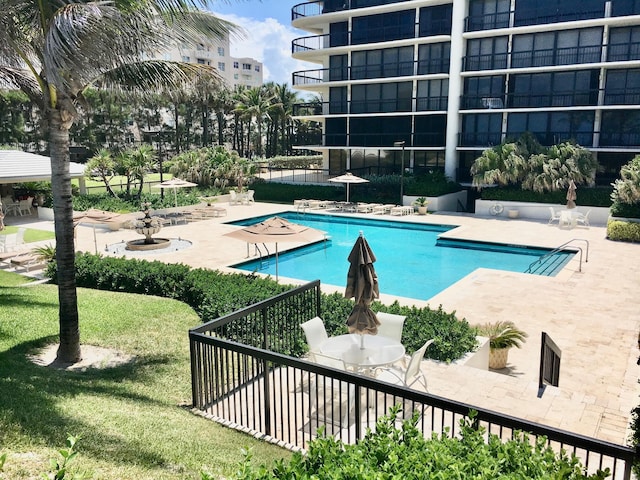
(22,79)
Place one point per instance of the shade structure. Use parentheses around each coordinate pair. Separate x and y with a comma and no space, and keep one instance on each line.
(175,184)
(275,230)
(348,178)
(362,285)
(571,195)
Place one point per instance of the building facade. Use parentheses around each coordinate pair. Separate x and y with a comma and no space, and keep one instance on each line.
(235,71)
(430,84)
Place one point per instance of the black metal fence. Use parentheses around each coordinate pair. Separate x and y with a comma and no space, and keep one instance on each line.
(243,376)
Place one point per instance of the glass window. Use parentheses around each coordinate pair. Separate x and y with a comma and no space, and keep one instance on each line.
(257,68)
(185,59)
(557,48)
(624,44)
(554,89)
(384,27)
(626,7)
(435,20)
(236,65)
(378,131)
(335,131)
(338,100)
(384,63)
(536,12)
(338,68)
(481,129)
(486,53)
(434,58)
(620,128)
(488,14)
(221,51)
(381,97)
(338,34)
(246,66)
(221,66)
(430,131)
(622,87)
(553,127)
(432,95)
(483,92)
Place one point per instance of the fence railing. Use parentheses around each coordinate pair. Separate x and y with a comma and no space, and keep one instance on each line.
(243,376)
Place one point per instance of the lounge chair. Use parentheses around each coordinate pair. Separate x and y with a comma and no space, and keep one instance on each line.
(28,261)
(555,216)
(233,198)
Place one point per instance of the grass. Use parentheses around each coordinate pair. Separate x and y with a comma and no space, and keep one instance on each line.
(118,182)
(31,234)
(130,418)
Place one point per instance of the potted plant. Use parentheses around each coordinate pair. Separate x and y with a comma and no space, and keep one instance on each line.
(421,203)
(502,336)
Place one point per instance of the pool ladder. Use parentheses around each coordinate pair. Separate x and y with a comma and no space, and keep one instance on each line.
(540,261)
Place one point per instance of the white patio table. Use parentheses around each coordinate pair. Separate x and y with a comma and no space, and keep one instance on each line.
(363,353)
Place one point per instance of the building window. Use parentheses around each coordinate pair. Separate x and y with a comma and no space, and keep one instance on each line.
(551,128)
(221,51)
(435,20)
(432,95)
(378,131)
(537,12)
(257,68)
(201,61)
(381,97)
(423,161)
(384,27)
(481,129)
(486,54)
(624,44)
(235,76)
(338,68)
(337,100)
(557,48)
(338,34)
(488,14)
(483,92)
(336,132)
(221,66)
(200,47)
(628,7)
(622,87)
(246,66)
(433,58)
(385,63)
(430,131)
(186,59)
(558,89)
(236,65)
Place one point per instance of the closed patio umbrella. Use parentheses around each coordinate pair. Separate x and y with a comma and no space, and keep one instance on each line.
(175,183)
(276,229)
(348,178)
(362,285)
(571,195)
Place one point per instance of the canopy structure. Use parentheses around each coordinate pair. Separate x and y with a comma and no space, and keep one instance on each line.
(274,230)
(175,183)
(348,178)
(20,167)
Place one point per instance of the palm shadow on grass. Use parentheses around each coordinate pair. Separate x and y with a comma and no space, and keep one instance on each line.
(31,396)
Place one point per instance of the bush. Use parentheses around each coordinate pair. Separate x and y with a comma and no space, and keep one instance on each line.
(404,453)
(625,210)
(302,161)
(213,294)
(131,203)
(623,231)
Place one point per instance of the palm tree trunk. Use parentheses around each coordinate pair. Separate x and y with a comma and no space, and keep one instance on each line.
(69,349)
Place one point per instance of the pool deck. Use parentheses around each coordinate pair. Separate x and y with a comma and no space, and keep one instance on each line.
(593,315)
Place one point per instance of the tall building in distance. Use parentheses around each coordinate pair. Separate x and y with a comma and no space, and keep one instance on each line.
(216,53)
(439,81)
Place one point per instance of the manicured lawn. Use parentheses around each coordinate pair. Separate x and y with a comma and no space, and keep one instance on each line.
(96,186)
(31,234)
(132,419)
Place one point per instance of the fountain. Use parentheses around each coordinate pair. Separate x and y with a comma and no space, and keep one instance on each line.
(148,226)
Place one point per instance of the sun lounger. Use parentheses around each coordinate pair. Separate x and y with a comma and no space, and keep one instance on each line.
(28,262)
(402,210)
(383,209)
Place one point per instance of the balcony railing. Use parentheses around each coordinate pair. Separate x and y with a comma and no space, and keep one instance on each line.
(319,7)
(343,107)
(242,373)
(619,139)
(530,100)
(534,58)
(623,52)
(486,139)
(368,72)
(492,21)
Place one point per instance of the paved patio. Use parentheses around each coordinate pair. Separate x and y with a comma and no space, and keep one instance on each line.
(593,315)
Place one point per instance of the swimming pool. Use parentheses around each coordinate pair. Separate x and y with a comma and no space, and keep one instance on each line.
(411,260)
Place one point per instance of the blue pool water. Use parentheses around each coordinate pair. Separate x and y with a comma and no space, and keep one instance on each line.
(411,262)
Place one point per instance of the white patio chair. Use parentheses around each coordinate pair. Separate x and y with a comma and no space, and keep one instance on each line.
(316,334)
(412,374)
(249,197)
(391,325)
(555,216)
(233,197)
(24,206)
(583,219)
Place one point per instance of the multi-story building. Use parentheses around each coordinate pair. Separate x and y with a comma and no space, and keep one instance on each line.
(438,81)
(216,53)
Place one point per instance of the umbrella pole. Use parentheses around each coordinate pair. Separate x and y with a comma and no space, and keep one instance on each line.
(347,193)
(276,262)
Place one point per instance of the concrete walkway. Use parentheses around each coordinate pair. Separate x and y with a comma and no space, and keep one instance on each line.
(593,315)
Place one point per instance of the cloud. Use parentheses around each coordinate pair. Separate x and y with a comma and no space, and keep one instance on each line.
(269,42)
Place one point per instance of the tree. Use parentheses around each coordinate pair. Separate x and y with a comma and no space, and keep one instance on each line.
(102,166)
(254,103)
(53,51)
(626,189)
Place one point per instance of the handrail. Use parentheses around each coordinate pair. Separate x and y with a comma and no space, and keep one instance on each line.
(559,249)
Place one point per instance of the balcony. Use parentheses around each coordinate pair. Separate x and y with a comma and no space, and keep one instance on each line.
(531,100)
(492,21)
(368,72)
(343,107)
(534,58)
(320,7)
(620,139)
(623,52)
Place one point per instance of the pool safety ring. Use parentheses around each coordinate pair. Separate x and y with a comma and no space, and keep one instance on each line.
(496,209)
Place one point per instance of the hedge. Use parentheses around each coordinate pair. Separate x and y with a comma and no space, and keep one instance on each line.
(591,196)
(213,294)
(623,231)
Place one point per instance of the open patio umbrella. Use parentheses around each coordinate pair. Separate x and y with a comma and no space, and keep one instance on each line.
(348,178)
(95,217)
(175,184)
(362,285)
(275,230)
(571,195)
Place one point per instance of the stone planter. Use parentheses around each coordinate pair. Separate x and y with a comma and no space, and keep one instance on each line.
(422,210)
(498,358)
(513,213)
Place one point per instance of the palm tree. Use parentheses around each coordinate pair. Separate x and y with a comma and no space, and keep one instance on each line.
(53,51)
(255,103)
(286,99)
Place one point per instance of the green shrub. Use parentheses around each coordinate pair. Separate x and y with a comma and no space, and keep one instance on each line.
(301,161)
(392,452)
(213,294)
(625,210)
(623,231)
(131,203)
(591,196)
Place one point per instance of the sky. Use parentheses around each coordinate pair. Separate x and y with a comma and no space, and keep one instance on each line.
(268,34)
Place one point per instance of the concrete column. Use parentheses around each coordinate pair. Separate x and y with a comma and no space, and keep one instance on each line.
(455,86)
